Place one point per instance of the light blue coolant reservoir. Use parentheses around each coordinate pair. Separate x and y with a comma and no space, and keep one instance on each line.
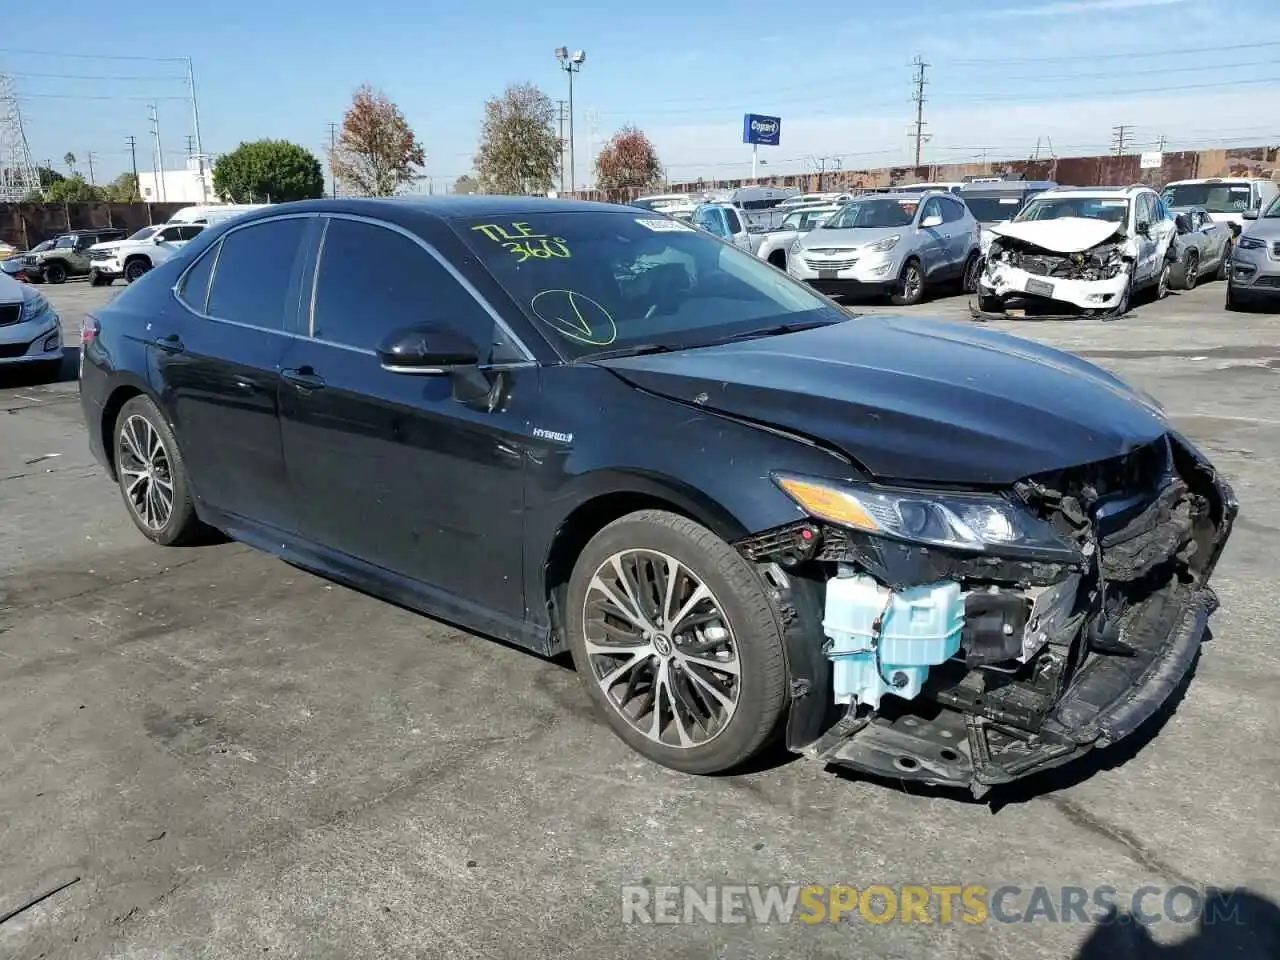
(921,628)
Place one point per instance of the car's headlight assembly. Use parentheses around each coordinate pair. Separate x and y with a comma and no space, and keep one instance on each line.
(980,523)
(36,307)
(794,248)
(885,245)
(1251,243)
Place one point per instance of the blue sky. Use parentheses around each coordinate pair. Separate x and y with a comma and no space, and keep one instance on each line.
(1002,74)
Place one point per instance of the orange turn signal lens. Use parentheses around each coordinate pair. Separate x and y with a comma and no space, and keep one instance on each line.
(829,503)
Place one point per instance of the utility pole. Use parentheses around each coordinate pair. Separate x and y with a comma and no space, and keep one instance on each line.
(195,115)
(89,157)
(133,156)
(1162,142)
(919,98)
(562,112)
(158,155)
(190,146)
(1120,133)
(333,147)
(571,63)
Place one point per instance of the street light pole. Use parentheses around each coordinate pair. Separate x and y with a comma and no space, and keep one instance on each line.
(571,63)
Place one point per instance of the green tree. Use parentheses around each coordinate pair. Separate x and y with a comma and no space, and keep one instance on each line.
(123,189)
(378,152)
(69,159)
(628,160)
(268,169)
(48,177)
(74,190)
(519,149)
(466,184)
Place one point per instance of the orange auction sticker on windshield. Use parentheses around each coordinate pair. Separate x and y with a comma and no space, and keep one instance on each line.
(524,243)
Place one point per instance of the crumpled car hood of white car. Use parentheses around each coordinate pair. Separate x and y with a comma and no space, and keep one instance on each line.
(1064,235)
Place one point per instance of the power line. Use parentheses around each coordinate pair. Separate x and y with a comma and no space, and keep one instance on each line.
(83,96)
(90,56)
(92,76)
(1129,55)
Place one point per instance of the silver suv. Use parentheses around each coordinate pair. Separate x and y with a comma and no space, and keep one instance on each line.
(900,244)
(1254,276)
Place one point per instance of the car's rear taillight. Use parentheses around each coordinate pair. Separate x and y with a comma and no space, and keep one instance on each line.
(89,330)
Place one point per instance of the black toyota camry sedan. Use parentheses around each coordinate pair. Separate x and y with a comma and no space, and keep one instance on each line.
(912,548)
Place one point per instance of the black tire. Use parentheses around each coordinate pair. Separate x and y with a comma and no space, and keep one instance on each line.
(910,290)
(134,270)
(1162,281)
(990,304)
(1122,306)
(182,525)
(969,279)
(96,279)
(1224,268)
(742,606)
(1191,271)
(55,272)
(1235,303)
(779,259)
(47,371)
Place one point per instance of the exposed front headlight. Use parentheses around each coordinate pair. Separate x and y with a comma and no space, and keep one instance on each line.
(982,523)
(36,307)
(885,245)
(1251,243)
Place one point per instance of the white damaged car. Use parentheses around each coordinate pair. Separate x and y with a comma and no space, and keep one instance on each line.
(1073,253)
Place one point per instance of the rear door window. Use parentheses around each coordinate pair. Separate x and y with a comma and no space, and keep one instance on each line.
(194,291)
(256,272)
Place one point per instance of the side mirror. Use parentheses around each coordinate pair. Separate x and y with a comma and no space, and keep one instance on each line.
(1183,222)
(1250,214)
(1143,228)
(426,350)
(928,223)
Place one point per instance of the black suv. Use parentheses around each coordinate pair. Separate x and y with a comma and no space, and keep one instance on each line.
(69,255)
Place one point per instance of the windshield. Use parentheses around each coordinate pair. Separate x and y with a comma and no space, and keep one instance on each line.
(595,282)
(42,246)
(805,219)
(145,233)
(879,212)
(1092,208)
(1214,197)
(994,209)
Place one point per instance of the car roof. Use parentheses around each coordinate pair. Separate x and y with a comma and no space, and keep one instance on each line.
(1200,180)
(1087,192)
(439,208)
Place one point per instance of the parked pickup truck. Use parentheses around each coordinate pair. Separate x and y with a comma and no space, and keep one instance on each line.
(133,257)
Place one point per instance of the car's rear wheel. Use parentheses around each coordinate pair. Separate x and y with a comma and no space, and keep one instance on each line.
(910,285)
(134,269)
(55,272)
(152,475)
(676,642)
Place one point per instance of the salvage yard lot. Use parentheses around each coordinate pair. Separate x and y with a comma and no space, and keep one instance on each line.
(237,758)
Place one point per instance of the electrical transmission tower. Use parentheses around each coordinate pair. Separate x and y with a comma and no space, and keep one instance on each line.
(18,174)
(1120,135)
(919,98)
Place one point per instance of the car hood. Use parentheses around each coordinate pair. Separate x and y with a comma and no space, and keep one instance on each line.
(1064,235)
(822,238)
(108,245)
(11,291)
(915,399)
(1264,229)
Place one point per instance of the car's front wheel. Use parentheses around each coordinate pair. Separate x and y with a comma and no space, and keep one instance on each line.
(134,269)
(152,475)
(677,642)
(55,272)
(910,289)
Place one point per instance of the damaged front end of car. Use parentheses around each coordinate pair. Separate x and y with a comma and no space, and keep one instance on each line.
(968,639)
(1022,279)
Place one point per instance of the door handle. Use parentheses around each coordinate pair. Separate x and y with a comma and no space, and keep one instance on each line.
(170,344)
(304,378)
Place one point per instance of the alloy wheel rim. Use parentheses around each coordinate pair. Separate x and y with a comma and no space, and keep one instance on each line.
(145,472)
(912,283)
(661,648)
(1193,270)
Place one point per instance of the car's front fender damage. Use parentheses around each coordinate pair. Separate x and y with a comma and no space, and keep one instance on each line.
(1054,659)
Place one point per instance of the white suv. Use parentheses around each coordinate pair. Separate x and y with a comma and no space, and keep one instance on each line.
(1075,252)
(131,258)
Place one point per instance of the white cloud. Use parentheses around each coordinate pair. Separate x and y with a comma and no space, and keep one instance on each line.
(1067,7)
